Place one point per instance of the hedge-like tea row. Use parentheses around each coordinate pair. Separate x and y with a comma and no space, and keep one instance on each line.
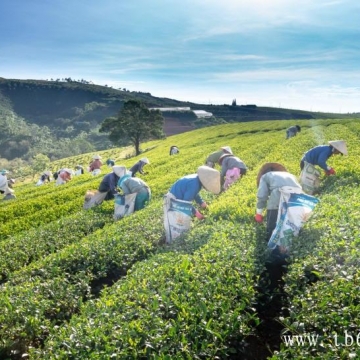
(175,305)
(53,196)
(40,297)
(323,280)
(34,244)
(94,255)
(57,285)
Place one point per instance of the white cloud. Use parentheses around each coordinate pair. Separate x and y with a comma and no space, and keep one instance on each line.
(238,57)
(281,75)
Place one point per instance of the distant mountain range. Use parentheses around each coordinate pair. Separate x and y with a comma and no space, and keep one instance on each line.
(39,116)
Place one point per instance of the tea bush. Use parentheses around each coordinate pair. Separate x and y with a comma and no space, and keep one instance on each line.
(193,299)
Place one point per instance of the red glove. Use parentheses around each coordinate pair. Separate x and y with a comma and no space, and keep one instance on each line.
(199,215)
(259,218)
(330,172)
(204,205)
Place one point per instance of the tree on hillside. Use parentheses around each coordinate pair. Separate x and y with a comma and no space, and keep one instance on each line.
(134,122)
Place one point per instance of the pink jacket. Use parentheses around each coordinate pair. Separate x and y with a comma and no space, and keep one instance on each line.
(96,164)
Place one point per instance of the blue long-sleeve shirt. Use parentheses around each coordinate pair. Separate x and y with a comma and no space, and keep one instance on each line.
(318,156)
(138,167)
(187,188)
(109,183)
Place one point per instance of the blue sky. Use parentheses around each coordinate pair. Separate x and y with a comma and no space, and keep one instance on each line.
(280,53)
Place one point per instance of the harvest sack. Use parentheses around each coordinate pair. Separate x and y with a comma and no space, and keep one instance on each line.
(96,172)
(124,205)
(310,178)
(295,209)
(93,198)
(39,183)
(177,217)
(3,183)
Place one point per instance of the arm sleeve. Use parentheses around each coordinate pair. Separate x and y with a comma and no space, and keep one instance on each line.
(125,188)
(322,161)
(223,169)
(104,185)
(112,185)
(193,194)
(199,200)
(135,169)
(262,194)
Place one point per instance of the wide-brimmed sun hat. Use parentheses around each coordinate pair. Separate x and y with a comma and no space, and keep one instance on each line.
(145,160)
(339,145)
(267,167)
(96,157)
(3,172)
(119,170)
(227,149)
(209,178)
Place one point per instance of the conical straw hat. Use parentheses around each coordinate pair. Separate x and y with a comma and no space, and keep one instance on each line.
(227,149)
(339,145)
(267,167)
(145,160)
(119,170)
(209,178)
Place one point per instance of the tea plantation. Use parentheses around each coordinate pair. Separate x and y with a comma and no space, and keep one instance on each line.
(74,284)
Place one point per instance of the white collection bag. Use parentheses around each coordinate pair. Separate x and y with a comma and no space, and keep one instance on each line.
(3,183)
(295,209)
(177,217)
(310,178)
(124,205)
(96,172)
(93,198)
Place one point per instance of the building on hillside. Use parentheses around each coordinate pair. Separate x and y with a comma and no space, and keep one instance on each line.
(172,109)
(180,119)
(200,114)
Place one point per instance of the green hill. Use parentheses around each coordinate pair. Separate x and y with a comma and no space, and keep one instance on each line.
(60,118)
(77,285)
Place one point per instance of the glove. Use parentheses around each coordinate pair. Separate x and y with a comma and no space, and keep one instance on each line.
(331,171)
(199,215)
(259,218)
(204,205)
